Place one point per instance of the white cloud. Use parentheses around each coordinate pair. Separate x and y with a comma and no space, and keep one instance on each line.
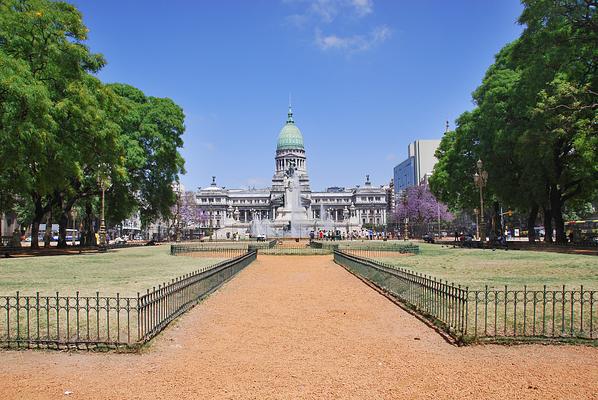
(380,34)
(320,15)
(328,10)
(354,43)
(363,7)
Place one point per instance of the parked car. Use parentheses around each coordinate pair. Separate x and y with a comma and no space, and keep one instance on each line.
(466,237)
(428,238)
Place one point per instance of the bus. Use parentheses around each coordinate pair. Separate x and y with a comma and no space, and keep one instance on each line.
(582,231)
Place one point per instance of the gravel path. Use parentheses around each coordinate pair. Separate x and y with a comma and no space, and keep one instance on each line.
(302,327)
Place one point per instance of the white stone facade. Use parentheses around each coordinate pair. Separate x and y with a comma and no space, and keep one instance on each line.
(232,210)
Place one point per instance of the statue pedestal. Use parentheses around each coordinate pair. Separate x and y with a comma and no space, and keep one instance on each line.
(282,214)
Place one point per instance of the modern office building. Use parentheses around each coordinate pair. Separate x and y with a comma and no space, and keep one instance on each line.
(418,166)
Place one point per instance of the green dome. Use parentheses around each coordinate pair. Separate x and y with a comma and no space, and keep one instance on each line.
(290,136)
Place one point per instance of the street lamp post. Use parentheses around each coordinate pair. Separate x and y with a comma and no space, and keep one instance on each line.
(477,222)
(406,227)
(74,216)
(331,217)
(177,228)
(480,178)
(438,209)
(211,214)
(346,216)
(102,232)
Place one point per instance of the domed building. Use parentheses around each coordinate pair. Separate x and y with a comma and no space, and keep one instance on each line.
(290,151)
(233,210)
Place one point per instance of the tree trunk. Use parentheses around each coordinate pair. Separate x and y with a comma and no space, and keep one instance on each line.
(35,233)
(64,220)
(496,220)
(547,224)
(48,232)
(62,226)
(531,223)
(88,236)
(38,215)
(556,206)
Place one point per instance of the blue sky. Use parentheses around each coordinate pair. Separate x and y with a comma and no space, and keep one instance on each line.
(366,76)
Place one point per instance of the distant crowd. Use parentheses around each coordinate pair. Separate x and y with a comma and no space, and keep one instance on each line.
(367,234)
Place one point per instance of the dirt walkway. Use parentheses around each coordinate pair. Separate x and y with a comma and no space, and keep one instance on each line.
(302,327)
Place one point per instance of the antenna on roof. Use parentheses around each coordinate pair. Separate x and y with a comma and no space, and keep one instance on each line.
(447,127)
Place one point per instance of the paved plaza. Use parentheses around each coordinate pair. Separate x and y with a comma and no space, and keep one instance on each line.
(302,327)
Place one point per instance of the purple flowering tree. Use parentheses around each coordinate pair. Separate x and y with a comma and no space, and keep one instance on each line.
(187,215)
(421,207)
(191,215)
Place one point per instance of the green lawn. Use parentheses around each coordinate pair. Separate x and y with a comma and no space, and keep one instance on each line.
(124,271)
(476,268)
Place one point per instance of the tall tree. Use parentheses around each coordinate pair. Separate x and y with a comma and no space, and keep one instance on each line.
(152,135)
(558,57)
(89,117)
(534,124)
(45,41)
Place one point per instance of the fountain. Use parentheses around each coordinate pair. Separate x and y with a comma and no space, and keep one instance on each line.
(263,228)
(291,219)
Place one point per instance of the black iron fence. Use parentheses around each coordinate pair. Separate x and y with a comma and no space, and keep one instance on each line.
(368,252)
(71,321)
(86,322)
(563,313)
(208,251)
(489,314)
(224,248)
(367,245)
(445,303)
(7,250)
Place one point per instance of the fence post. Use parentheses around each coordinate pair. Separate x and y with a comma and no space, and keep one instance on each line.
(466,309)
(581,311)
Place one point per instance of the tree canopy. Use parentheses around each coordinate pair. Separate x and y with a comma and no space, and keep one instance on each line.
(62,129)
(535,120)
